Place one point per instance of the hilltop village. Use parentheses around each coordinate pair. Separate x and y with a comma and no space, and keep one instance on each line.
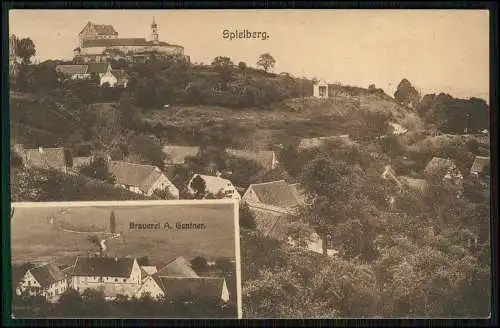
(344,190)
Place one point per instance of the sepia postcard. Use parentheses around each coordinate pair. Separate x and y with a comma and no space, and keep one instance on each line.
(153,259)
(356,144)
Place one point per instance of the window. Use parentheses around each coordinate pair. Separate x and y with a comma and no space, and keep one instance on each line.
(116,279)
(124,280)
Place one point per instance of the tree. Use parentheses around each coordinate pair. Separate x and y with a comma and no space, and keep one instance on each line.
(224,265)
(25,49)
(112,222)
(247,219)
(406,94)
(266,61)
(199,186)
(98,169)
(149,150)
(223,65)
(242,66)
(199,265)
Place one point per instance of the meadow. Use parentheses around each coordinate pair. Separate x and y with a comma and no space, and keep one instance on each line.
(34,238)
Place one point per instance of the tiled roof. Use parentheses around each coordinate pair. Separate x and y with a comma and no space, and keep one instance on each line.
(272,225)
(47,274)
(72,69)
(103,267)
(148,269)
(263,157)
(98,68)
(177,154)
(45,157)
(180,267)
(416,184)
(179,288)
(276,193)
(102,29)
(307,143)
(437,163)
(138,175)
(480,163)
(214,184)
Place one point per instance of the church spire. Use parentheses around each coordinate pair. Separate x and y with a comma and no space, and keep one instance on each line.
(154,31)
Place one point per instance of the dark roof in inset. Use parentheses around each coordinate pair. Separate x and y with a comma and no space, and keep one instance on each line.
(480,163)
(276,193)
(98,68)
(45,157)
(138,175)
(47,274)
(179,267)
(103,267)
(72,69)
(189,289)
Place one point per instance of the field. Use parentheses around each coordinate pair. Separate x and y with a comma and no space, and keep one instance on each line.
(60,234)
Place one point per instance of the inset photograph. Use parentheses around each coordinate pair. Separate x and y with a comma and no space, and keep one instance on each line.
(150,259)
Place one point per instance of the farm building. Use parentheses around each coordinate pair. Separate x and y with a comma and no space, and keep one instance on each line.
(176,155)
(179,267)
(115,78)
(185,289)
(140,178)
(480,165)
(47,158)
(264,158)
(111,275)
(216,185)
(45,280)
(86,71)
(320,89)
(81,161)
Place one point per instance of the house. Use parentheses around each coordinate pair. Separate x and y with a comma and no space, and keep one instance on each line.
(277,194)
(176,155)
(141,179)
(397,129)
(79,162)
(179,267)
(265,158)
(74,71)
(216,185)
(47,158)
(115,78)
(112,275)
(185,289)
(320,89)
(445,169)
(308,143)
(480,165)
(45,280)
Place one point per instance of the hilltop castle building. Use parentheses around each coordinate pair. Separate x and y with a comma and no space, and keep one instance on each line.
(98,43)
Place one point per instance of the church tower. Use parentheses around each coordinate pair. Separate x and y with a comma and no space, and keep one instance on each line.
(154,32)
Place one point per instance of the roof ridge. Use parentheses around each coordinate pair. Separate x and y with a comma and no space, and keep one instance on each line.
(146,165)
(261,183)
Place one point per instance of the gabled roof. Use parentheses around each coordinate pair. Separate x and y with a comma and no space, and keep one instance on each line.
(186,289)
(415,184)
(321,82)
(262,157)
(306,143)
(177,154)
(45,157)
(72,69)
(438,163)
(47,274)
(480,163)
(179,267)
(102,29)
(149,269)
(97,68)
(275,193)
(119,74)
(103,267)
(272,225)
(214,184)
(138,175)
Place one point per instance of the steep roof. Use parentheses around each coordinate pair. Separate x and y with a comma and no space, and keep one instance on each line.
(179,267)
(177,154)
(149,269)
(47,274)
(179,288)
(72,69)
(138,175)
(45,157)
(214,184)
(275,193)
(263,157)
(272,225)
(98,68)
(480,163)
(306,143)
(103,267)
(102,29)
(438,163)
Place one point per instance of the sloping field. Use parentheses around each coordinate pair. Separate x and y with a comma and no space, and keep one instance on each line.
(35,239)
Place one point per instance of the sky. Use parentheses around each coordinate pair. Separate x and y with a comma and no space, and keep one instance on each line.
(437,50)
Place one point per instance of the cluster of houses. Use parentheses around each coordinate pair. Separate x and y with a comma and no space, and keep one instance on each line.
(119,276)
(101,71)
